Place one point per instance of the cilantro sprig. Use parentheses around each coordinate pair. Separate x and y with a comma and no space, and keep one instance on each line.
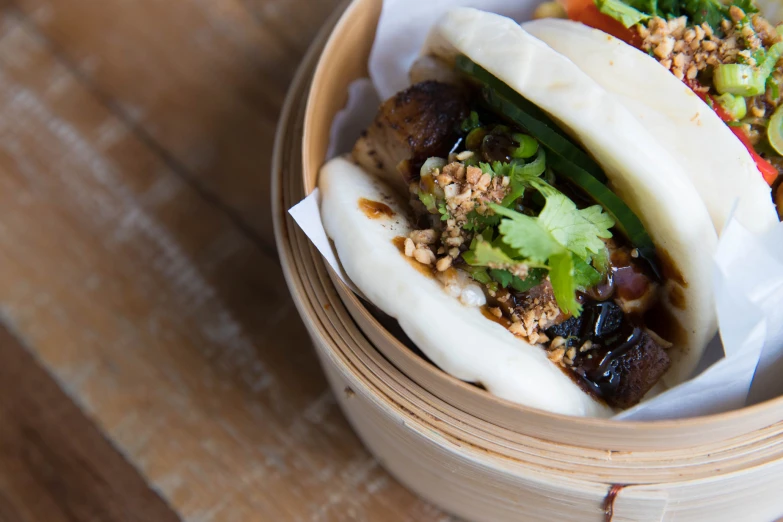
(562,239)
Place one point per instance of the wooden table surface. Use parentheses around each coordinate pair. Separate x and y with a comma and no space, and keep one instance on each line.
(152,364)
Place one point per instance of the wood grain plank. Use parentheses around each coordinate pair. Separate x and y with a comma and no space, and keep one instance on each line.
(203,80)
(55,466)
(163,320)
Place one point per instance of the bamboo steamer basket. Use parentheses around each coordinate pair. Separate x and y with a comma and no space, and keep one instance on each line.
(472,454)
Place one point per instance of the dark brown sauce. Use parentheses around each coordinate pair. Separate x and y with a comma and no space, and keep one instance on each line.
(609,501)
(427,184)
(580,381)
(497,147)
(629,279)
(601,372)
(630,283)
(399,242)
(502,321)
(375,209)
(677,297)
(661,321)
(670,269)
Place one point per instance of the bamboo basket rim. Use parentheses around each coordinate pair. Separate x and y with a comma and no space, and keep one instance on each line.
(313,155)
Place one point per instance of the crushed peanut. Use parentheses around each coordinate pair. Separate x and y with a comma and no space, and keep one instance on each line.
(443,264)
(556,356)
(424,255)
(409,247)
(557,342)
(687,51)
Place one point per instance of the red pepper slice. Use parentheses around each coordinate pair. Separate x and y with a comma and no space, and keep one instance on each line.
(587,12)
(767,170)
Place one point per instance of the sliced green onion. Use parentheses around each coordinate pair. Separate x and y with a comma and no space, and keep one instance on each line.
(738,79)
(534,168)
(527,146)
(734,106)
(479,273)
(474,138)
(771,57)
(774,88)
(746,80)
(431,164)
(428,200)
(775,130)
(517,191)
(533,119)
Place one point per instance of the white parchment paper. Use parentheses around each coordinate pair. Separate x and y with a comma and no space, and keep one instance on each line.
(743,365)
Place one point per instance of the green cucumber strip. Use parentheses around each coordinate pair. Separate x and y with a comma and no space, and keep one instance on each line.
(533,119)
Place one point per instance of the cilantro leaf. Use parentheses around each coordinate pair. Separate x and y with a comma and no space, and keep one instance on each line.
(482,253)
(563,237)
(486,168)
(476,221)
(534,278)
(580,231)
(747,6)
(711,11)
(516,192)
(585,276)
(445,215)
(503,277)
(479,273)
(527,235)
(561,275)
(428,200)
(670,8)
(470,123)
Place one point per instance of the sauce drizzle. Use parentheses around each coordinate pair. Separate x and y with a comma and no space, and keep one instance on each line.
(375,209)
(502,321)
(670,270)
(428,271)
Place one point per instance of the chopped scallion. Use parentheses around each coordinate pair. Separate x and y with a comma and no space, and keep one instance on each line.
(527,146)
(775,130)
(734,106)
(431,164)
(738,79)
